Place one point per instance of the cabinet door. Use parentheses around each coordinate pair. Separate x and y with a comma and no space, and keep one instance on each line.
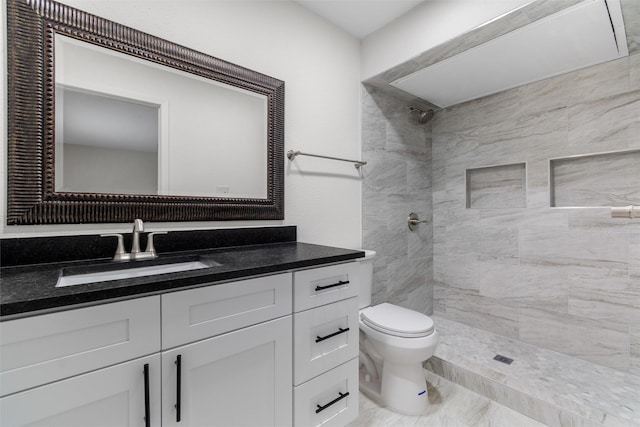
(42,349)
(113,396)
(242,378)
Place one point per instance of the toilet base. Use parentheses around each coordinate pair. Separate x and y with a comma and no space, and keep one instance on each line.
(403,388)
(371,388)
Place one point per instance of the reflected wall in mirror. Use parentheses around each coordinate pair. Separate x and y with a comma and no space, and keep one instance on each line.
(125,125)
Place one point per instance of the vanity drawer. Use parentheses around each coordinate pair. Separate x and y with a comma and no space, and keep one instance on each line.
(324,337)
(324,400)
(200,313)
(324,285)
(41,349)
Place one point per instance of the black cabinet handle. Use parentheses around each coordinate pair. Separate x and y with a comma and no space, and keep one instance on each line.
(147,412)
(337,399)
(340,283)
(326,337)
(178,390)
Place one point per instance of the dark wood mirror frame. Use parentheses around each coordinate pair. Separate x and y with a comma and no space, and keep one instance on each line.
(31,195)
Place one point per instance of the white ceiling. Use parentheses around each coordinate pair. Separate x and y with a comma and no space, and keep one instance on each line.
(580,36)
(360,17)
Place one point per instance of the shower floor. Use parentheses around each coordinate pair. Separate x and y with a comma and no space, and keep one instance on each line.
(553,388)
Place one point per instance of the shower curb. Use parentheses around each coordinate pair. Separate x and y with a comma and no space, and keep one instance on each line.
(553,414)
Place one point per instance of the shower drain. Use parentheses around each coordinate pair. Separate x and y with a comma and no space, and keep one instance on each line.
(502,359)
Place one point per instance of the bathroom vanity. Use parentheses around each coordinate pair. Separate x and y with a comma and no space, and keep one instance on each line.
(268,335)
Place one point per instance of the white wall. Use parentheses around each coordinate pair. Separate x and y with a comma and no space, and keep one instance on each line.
(321,69)
(109,170)
(426,26)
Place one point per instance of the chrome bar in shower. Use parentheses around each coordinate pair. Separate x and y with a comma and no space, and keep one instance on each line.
(625,212)
(292,155)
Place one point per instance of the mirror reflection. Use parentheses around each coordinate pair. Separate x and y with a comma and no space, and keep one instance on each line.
(130,126)
(105,144)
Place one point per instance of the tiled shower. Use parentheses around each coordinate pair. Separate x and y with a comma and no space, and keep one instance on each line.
(516,188)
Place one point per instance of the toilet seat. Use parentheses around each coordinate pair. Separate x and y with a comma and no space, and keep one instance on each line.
(397,321)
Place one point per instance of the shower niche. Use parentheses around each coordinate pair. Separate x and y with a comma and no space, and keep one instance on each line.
(595,180)
(497,187)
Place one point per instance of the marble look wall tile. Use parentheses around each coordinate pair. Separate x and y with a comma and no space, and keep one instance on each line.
(527,284)
(634,68)
(385,242)
(591,110)
(399,207)
(405,276)
(612,118)
(490,243)
(419,177)
(397,181)
(542,134)
(374,210)
(497,187)
(380,279)
(439,298)
(383,173)
(420,241)
(421,299)
(538,217)
(600,342)
(631,16)
(604,294)
(438,166)
(595,248)
(374,129)
(592,83)
(574,182)
(494,316)
(634,337)
(459,271)
(598,219)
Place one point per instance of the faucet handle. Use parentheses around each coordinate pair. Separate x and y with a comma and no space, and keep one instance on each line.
(121,254)
(150,249)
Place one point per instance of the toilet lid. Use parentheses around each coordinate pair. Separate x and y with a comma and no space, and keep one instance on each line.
(398,321)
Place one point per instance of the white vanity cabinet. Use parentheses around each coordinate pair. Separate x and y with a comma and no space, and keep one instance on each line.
(113,396)
(242,378)
(230,354)
(326,347)
(66,369)
(238,378)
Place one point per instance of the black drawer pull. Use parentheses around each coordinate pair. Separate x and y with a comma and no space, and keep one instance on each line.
(337,399)
(147,412)
(326,337)
(340,283)
(178,386)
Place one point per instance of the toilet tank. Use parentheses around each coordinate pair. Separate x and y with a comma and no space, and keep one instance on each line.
(366,278)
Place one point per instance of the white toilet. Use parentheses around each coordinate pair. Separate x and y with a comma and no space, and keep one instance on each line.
(394,341)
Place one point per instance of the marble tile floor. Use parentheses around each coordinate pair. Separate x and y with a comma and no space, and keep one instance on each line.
(450,405)
(553,388)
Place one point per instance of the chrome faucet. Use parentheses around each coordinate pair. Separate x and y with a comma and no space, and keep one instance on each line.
(135,254)
(138,227)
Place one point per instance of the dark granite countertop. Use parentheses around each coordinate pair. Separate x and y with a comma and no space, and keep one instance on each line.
(30,289)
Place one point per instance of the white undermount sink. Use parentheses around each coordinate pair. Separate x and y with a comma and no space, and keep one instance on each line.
(128,273)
